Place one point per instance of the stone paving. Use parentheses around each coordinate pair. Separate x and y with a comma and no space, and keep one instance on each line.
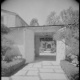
(44,70)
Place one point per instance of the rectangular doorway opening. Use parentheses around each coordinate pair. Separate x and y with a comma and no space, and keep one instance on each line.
(45,47)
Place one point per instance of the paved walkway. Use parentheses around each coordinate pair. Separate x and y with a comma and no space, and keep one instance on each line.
(44,70)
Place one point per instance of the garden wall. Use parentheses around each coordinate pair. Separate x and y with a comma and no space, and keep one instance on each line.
(60,51)
(29,45)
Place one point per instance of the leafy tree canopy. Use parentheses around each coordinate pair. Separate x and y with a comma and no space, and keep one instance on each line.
(70,16)
(53,19)
(34,22)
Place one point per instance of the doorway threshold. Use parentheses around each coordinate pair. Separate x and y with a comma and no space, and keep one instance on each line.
(47,54)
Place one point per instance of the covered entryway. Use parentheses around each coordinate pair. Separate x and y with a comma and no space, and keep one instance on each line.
(45,46)
(38,44)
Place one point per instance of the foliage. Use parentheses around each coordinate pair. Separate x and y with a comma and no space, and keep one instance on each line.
(5,45)
(7,69)
(63,33)
(68,58)
(34,22)
(73,42)
(75,76)
(70,16)
(13,52)
(75,32)
(53,19)
(4,29)
(8,49)
(70,40)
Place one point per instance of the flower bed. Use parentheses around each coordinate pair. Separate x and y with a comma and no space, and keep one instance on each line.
(69,69)
(8,68)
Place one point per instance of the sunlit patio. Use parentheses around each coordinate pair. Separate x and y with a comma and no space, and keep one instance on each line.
(41,70)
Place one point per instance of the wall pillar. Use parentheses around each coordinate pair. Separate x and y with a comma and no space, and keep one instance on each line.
(29,46)
(60,51)
(37,45)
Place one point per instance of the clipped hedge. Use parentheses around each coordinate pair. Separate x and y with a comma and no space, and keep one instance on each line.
(7,68)
(69,69)
(13,52)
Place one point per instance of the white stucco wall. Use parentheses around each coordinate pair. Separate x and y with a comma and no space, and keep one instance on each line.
(60,50)
(29,46)
(21,49)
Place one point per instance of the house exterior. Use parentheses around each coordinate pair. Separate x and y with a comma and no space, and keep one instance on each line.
(11,19)
(34,41)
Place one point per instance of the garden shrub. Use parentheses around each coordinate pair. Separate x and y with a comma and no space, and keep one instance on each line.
(4,29)
(75,76)
(5,45)
(72,58)
(68,58)
(12,53)
(8,49)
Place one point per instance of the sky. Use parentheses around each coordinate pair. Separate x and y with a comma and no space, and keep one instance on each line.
(40,9)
